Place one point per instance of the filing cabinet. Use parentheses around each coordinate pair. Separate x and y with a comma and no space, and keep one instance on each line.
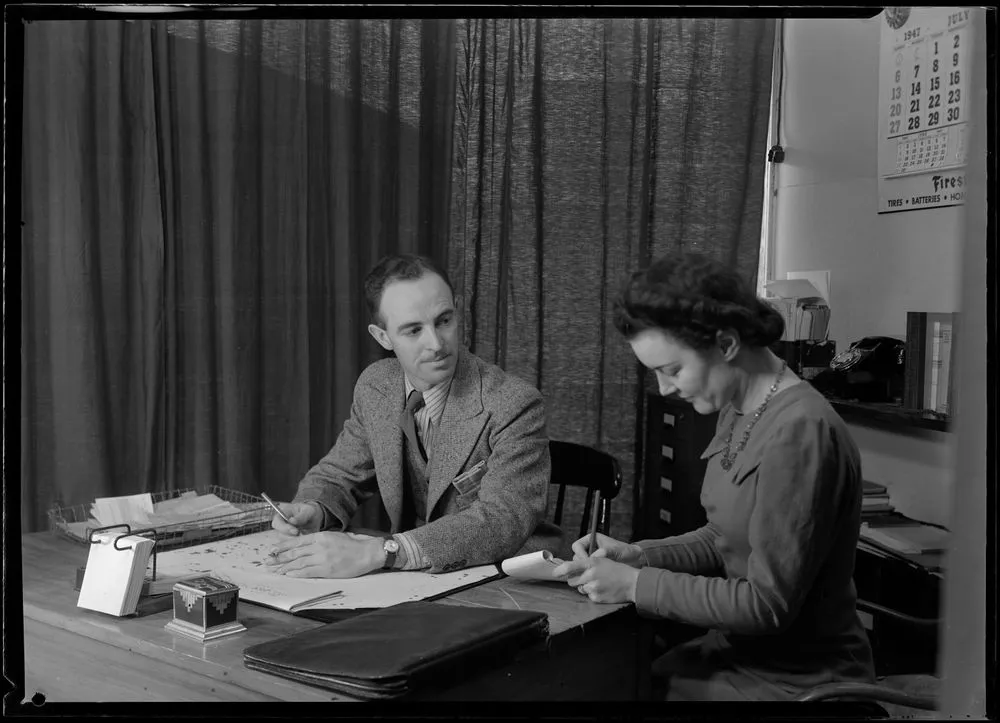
(675,437)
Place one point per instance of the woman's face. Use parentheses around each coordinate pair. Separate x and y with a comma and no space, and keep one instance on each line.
(703,378)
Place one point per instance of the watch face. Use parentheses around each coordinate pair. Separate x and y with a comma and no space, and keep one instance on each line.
(391,546)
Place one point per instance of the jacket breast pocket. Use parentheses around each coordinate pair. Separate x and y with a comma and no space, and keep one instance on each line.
(467,485)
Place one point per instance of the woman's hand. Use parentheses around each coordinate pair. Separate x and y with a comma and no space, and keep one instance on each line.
(327,554)
(610,548)
(600,579)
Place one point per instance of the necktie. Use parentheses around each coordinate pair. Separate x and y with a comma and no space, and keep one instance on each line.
(407,422)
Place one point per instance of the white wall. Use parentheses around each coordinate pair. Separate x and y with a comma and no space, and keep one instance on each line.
(881,266)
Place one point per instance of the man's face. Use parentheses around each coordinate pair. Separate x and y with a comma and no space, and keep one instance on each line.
(420,326)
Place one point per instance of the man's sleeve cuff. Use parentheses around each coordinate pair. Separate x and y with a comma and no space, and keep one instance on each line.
(414,558)
(325,515)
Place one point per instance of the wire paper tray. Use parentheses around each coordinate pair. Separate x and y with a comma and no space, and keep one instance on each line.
(254,515)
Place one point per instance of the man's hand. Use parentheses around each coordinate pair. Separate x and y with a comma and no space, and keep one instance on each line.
(600,579)
(327,554)
(305,517)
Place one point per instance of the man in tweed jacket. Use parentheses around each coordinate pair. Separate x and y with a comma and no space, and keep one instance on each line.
(474,487)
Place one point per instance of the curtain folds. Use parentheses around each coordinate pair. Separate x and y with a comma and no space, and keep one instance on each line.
(202,200)
(583,148)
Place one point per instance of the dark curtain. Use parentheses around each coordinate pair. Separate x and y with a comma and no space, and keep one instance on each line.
(201,202)
(583,148)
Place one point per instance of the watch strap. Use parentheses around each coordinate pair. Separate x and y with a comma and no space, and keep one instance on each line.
(390,555)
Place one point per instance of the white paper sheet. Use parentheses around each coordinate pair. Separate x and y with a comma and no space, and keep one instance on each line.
(189,511)
(122,510)
(240,560)
(819,279)
(533,566)
(793,289)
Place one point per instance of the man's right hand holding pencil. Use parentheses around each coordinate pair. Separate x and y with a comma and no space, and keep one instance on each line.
(608,575)
(295,518)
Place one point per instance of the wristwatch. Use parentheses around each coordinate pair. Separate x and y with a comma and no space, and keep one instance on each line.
(391,547)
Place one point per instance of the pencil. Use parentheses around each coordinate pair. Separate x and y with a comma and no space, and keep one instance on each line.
(592,546)
(269,501)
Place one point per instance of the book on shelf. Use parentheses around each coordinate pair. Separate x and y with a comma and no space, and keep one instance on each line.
(869,488)
(930,356)
(874,500)
(877,508)
(910,539)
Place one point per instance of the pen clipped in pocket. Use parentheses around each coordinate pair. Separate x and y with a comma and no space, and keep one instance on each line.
(468,480)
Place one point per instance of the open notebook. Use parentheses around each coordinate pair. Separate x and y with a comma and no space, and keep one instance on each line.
(240,560)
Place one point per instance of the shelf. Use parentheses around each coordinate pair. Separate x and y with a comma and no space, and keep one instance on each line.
(889,414)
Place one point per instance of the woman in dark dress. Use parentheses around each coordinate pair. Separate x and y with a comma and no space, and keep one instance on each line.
(771,573)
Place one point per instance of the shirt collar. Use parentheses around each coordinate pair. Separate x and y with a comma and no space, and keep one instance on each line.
(434,397)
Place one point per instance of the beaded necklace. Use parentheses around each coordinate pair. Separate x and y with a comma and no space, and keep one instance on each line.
(727,458)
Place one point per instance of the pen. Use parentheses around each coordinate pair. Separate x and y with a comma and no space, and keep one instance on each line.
(592,546)
(269,501)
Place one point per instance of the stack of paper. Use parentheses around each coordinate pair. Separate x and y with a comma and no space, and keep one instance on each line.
(875,499)
(188,511)
(121,510)
(915,539)
(802,306)
(116,569)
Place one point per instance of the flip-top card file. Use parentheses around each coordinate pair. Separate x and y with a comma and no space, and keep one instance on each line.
(116,567)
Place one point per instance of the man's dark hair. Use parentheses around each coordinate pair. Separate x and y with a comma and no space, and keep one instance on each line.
(397,267)
(692,297)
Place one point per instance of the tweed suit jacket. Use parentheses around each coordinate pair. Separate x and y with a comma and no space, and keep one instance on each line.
(489,417)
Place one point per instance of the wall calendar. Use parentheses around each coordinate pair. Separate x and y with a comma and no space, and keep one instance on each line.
(923,76)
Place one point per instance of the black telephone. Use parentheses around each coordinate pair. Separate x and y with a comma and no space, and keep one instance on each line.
(870,370)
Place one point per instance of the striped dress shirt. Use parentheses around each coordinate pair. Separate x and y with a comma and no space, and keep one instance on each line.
(427,419)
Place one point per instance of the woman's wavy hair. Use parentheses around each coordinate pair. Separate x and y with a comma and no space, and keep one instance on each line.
(693,297)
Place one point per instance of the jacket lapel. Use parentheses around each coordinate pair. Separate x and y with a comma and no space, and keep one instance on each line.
(461,424)
(387,441)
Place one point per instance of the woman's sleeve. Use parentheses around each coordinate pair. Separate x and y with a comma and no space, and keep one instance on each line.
(693,552)
(801,478)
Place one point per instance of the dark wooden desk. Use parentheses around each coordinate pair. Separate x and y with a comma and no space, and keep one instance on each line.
(594,652)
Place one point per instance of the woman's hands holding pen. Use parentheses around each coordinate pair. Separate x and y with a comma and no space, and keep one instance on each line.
(607,576)
(326,554)
(610,548)
(600,579)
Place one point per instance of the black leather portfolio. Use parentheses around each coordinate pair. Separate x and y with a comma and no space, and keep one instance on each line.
(392,651)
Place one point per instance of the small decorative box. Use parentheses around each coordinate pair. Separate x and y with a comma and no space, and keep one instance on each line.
(205,608)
